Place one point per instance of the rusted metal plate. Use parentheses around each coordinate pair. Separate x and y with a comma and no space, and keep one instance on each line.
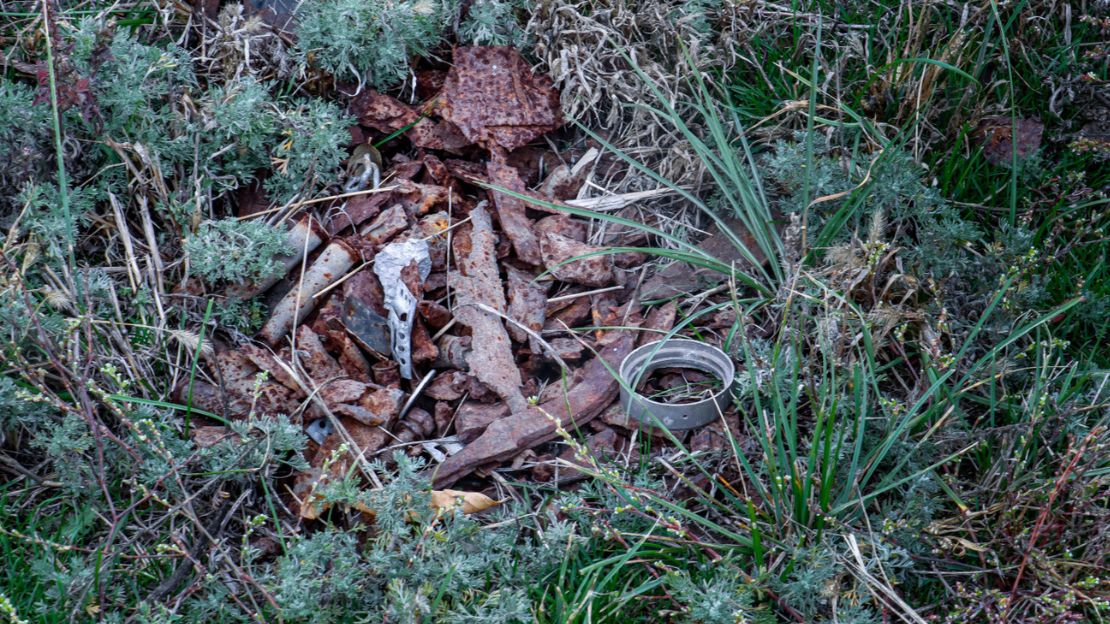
(527,306)
(559,256)
(382,112)
(494,99)
(1003,138)
(510,210)
(594,389)
(477,285)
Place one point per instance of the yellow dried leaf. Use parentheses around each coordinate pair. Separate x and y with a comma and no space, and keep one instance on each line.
(472,502)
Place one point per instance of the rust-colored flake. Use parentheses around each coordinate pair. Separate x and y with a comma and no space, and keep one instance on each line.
(558,252)
(382,112)
(527,306)
(478,284)
(435,315)
(510,210)
(594,388)
(473,418)
(424,351)
(659,321)
(389,223)
(494,99)
(1002,137)
(438,135)
(448,386)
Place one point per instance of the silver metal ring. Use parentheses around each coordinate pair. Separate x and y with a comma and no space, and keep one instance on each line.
(679,353)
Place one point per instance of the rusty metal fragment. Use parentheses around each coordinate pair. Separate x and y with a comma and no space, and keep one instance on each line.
(527,305)
(443,416)
(594,388)
(448,386)
(558,252)
(206,436)
(569,349)
(510,210)
(368,328)
(328,324)
(317,362)
(238,393)
(336,259)
(494,99)
(1004,138)
(401,294)
(424,351)
(567,312)
(391,222)
(564,225)
(386,373)
(418,424)
(382,112)
(436,316)
(473,418)
(267,361)
(478,299)
(357,210)
(453,351)
(658,321)
(438,135)
(433,228)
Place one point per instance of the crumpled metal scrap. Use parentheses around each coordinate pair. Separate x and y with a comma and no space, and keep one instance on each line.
(401,302)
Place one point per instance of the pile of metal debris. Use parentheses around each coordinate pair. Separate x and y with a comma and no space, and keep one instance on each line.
(424,310)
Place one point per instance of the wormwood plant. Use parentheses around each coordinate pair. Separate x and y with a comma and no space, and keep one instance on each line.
(493,22)
(370,41)
(230,250)
(24,132)
(309,148)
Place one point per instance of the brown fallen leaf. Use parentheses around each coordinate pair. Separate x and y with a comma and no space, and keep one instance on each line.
(471,502)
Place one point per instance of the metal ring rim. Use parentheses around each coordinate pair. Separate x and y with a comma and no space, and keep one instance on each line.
(691,354)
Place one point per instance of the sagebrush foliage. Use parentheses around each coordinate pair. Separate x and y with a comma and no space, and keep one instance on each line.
(309,150)
(233,251)
(25,135)
(370,41)
(226,136)
(493,22)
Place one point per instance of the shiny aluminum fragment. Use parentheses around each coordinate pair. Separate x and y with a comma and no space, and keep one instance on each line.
(400,302)
(681,353)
